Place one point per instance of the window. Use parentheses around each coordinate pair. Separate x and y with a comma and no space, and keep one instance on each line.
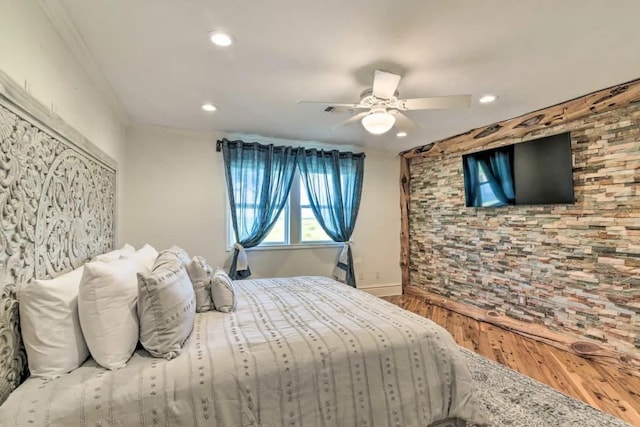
(279,233)
(310,228)
(296,225)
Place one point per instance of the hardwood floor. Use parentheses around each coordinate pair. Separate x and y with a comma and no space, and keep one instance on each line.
(602,387)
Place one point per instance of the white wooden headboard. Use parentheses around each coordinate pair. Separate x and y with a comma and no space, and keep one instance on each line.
(57,209)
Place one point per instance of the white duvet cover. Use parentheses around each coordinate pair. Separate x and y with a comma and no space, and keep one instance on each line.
(302,351)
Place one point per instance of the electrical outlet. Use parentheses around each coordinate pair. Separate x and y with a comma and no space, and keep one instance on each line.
(522,299)
(377,275)
(360,276)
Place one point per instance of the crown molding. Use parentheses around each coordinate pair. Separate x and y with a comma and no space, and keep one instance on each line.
(64,25)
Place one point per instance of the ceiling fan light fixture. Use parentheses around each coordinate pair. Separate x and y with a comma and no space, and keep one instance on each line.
(378,123)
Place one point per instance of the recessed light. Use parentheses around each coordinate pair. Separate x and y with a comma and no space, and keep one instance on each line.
(485,99)
(401,134)
(220,38)
(209,107)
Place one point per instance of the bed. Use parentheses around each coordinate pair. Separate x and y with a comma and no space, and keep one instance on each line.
(298,351)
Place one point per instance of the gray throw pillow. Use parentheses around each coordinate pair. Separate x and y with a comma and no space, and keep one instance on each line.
(200,274)
(170,255)
(166,309)
(223,292)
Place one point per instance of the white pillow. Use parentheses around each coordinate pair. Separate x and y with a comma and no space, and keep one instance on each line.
(200,274)
(145,257)
(125,251)
(107,302)
(222,292)
(50,325)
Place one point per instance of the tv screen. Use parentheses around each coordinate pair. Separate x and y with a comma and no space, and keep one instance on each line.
(529,173)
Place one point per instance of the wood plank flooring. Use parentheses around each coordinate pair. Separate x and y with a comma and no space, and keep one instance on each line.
(602,387)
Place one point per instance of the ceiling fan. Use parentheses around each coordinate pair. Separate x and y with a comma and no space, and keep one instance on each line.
(383,108)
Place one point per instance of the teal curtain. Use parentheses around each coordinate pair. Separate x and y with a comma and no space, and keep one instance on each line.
(494,183)
(471,181)
(500,170)
(258,182)
(333,181)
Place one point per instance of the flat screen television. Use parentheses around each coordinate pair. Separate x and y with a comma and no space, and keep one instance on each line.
(529,173)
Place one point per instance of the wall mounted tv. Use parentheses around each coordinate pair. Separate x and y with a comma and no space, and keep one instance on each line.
(536,172)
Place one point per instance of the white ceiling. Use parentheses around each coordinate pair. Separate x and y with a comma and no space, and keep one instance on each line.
(157,57)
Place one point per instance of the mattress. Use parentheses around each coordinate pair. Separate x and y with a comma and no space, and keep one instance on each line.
(302,351)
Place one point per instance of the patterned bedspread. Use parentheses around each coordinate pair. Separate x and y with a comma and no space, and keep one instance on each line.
(302,351)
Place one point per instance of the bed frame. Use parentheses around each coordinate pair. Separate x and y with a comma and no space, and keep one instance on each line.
(57,209)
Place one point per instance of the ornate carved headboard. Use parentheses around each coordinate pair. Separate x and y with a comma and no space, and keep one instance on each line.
(57,209)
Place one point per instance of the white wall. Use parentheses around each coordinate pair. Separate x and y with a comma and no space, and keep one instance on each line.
(31,50)
(175,193)
(171,183)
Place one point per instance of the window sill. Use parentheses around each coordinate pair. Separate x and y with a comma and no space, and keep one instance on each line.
(293,247)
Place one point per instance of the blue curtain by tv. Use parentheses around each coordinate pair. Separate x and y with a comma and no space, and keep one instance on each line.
(500,176)
(497,169)
(471,181)
(333,181)
(258,182)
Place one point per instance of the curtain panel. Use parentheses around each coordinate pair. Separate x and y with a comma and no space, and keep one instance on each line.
(500,169)
(471,182)
(258,183)
(333,181)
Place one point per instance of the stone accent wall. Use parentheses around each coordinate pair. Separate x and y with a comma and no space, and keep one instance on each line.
(578,265)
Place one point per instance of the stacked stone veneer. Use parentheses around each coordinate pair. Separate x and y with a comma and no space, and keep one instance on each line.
(578,265)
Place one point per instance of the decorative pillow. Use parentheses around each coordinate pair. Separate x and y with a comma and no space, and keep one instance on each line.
(50,325)
(170,255)
(166,307)
(200,274)
(145,257)
(125,251)
(107,305)
(223,292)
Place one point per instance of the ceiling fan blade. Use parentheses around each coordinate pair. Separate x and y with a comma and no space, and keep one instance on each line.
(403,122)
(436,102)
(352,119)
(385,84)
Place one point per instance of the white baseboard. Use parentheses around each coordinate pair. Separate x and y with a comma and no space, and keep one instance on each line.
(382,289)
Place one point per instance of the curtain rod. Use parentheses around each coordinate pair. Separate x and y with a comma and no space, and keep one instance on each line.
(219,149)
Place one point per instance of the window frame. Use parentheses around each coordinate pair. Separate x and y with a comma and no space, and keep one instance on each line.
(293,225)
